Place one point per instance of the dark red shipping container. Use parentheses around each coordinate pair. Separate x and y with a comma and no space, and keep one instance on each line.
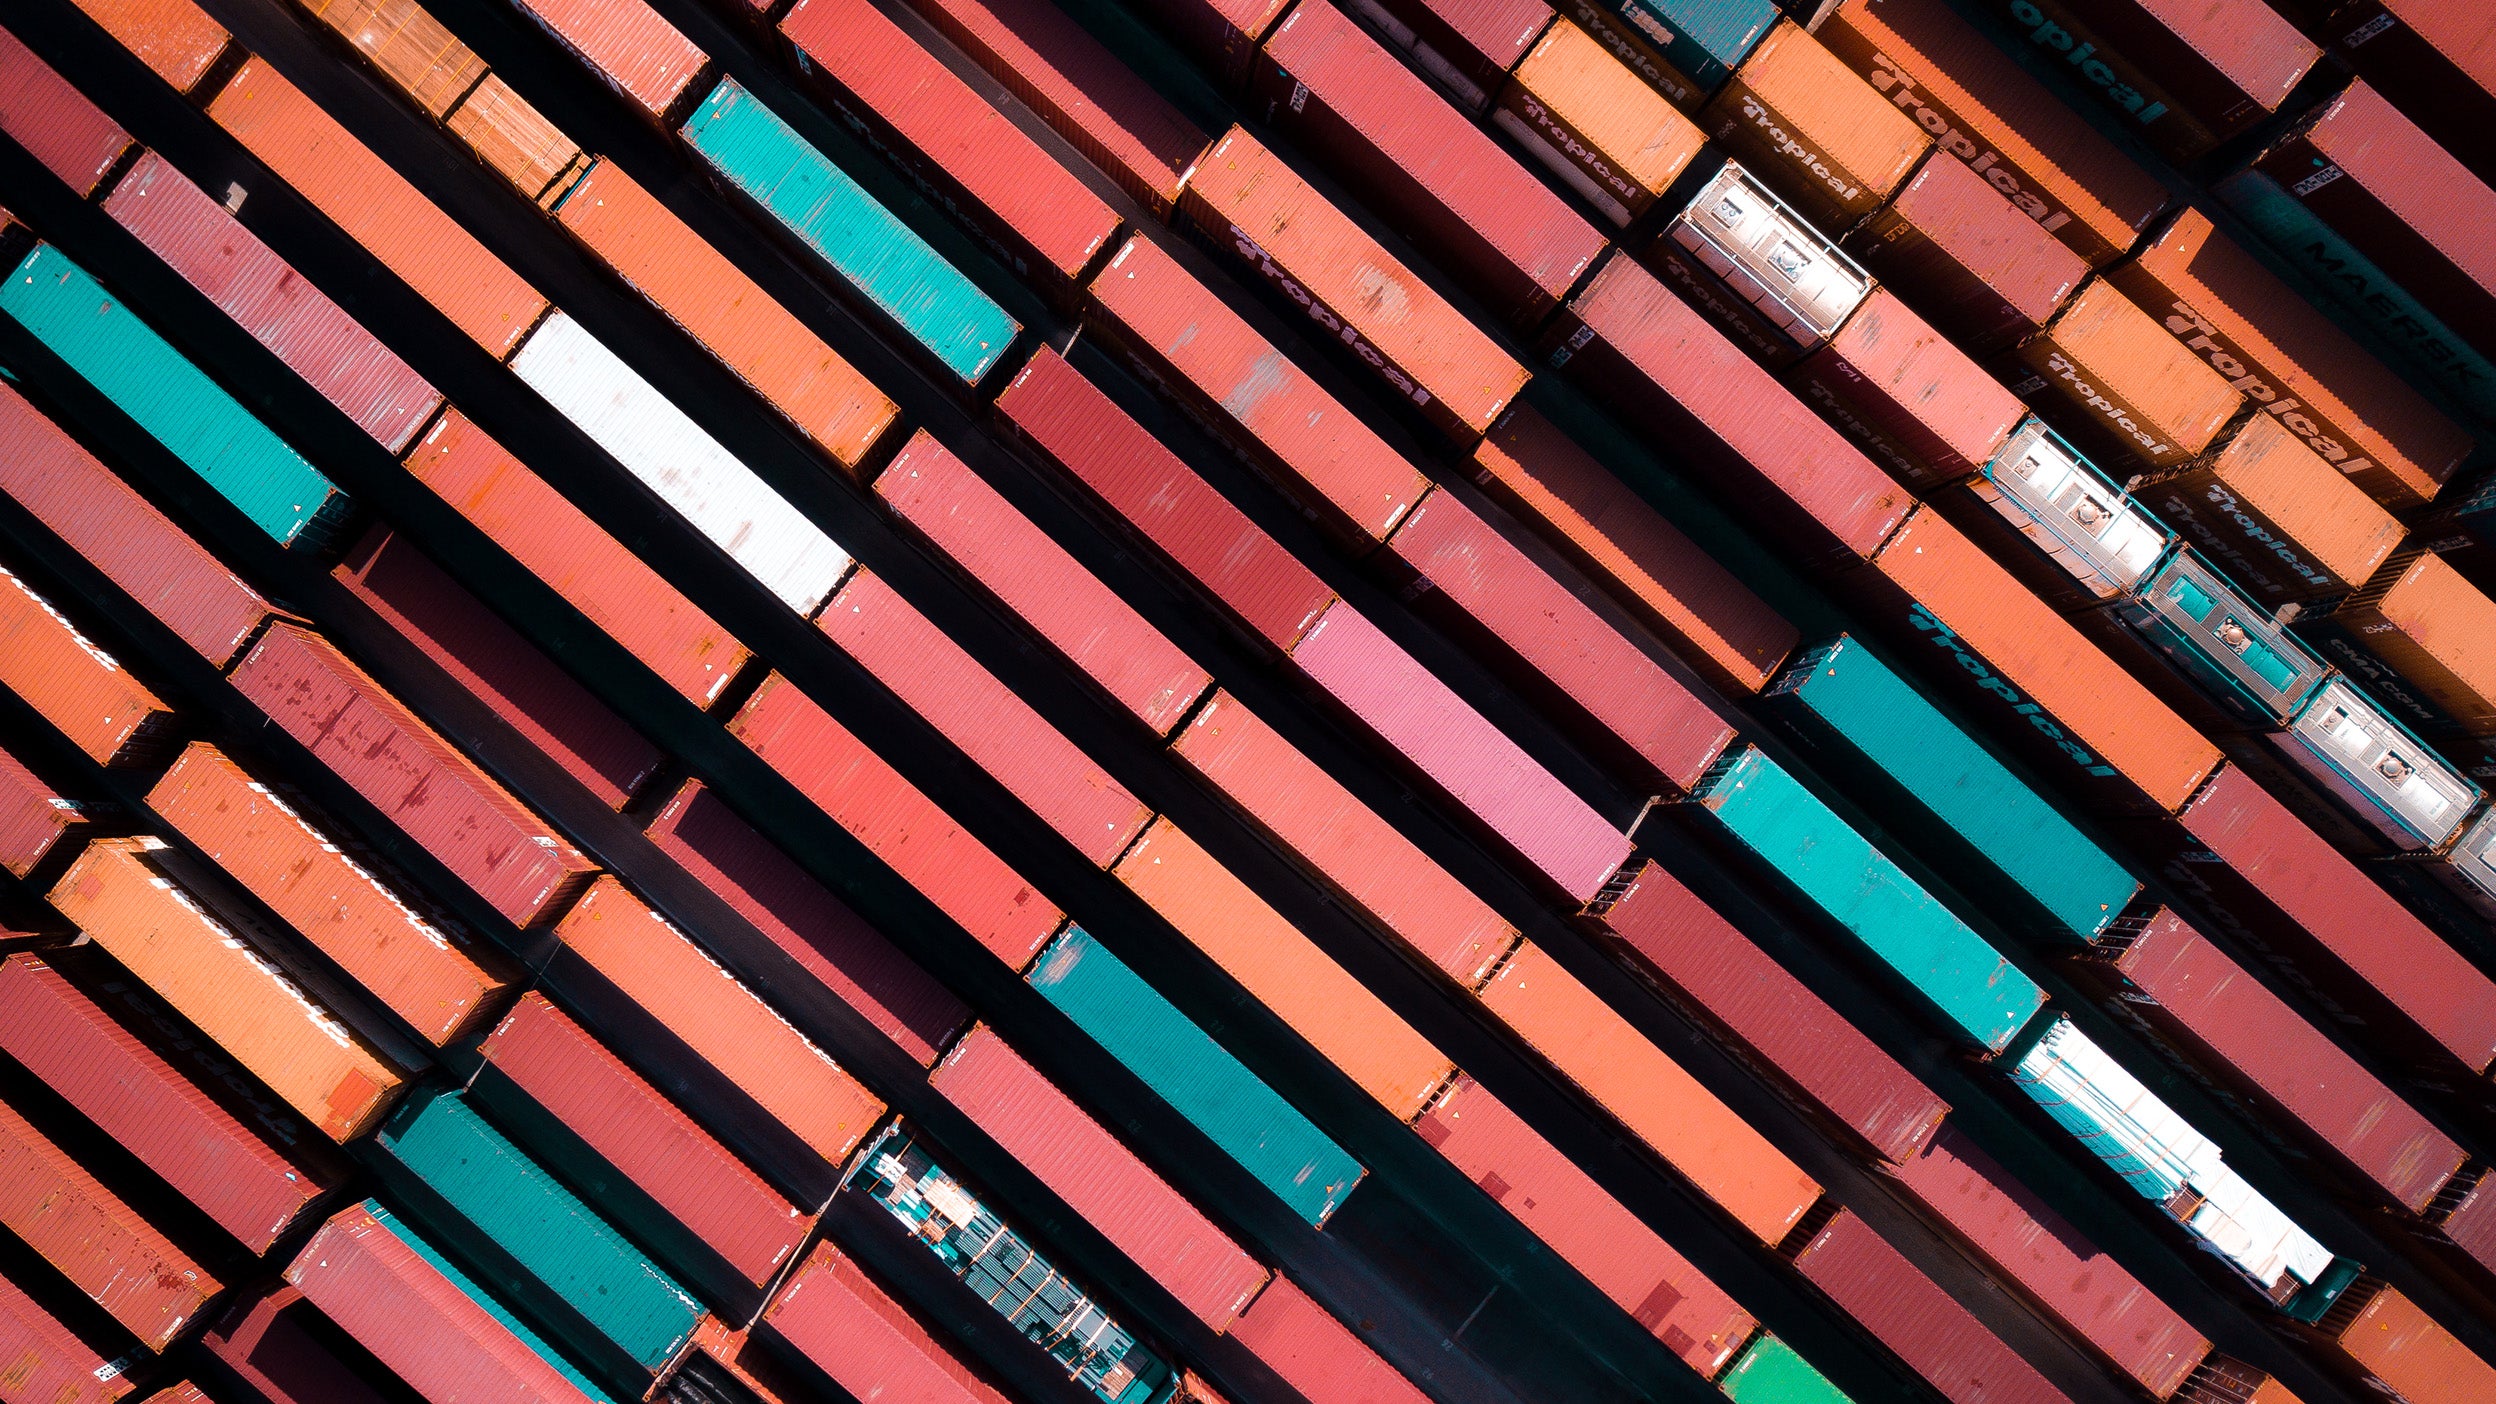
(2472,1224)
(77,687)
(271,1340)
(1916,403)
(118,1259)
(1666,369)
(1467,46)
(2183,74)
(54,121)
(1771,1017)
(2431,58)
(1903,1309)
(1441,181)
(1100,1179)
(1221,34)
(425,606)
(830,1314)
(46,1359)
(32,817)
(1966,258)
(437,796)
(995,544)
(626,42)
(815,928)
(1316,1354)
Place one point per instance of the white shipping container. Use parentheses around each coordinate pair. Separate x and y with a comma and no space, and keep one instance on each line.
(689,470)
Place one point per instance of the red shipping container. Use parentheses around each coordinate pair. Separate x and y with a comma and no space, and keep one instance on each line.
(2471,1226)
(1966,258)
(1100,1179)
(1904,1310)
(1773,1018)
(2404,1351)
(134,1096)
(816,929)
(1467,204)
(1668,370)
(1917,403)
(1798,118)
(1316,1354)
(2024,1241)
(1191,345)
(558,543)
(935,677)
(438,797)
(100,1244)
(903,827)
(174,37)
(1525,624)
(47,1361)
(1468,46)
(2185,74)
(32,817)
(54,121)
(832,1315)
(1162,500)
(639,54)
(268,1339)
(1084,92)
(74,685)
(103,519)
(990,540)
(1590,1230)
(1256,210)
(2430,58)
(1477,768)
(1221,34)
(1030,211)
(315,337)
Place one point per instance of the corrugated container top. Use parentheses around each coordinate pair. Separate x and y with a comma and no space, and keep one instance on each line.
(1854,146)
(2280,475)
(2400,167)
(1769,1372)
(2439,630)
(1911,365)
(174,37)
(411,48)
(1098,1178)
(32,817)
(1905,1310)
(48,1361)
(2128,352)
(831,1314)
(2248,44)
(1318,449)
(267,1337)
(1636,134)
(1316,1354)
(730,314)
(748,144)
(113,1256)
(1467,45)
(639,54)
(1247,196)
(516,141)
(74,685)
(377,207)
(1971,225)
(54,121)
(2423,1363)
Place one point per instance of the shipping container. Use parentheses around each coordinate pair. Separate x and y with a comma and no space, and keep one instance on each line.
(1919,406)
(377,207)
(1815,131)
(2403,1351)
(750,148)
(516,142)
(169,397)
(1769,1372)
(1467,47)
(1590,1230)
(1222,35)
(924,846)
(1893,1301)
(174,37)
(1586,116)
(1316,1354)
(48,1361)
(2420,618)
(2111,378)
(625,42)
(2268,509)
(680,463)
(1439,180)
(833,1316)
(722,1364)
(72,684)
(577,559)
(728,312)
(274,1342)
(1752,263)
(1261,214)
(1014,197)
(41,112)
(105,1248)
(990,540)
(416,52)
(435,795)
(2184,75)
(815,928)
(1966,258)
(2428,56)
(1684,49)
(1100,1179)
(33,818)
(1770,1018)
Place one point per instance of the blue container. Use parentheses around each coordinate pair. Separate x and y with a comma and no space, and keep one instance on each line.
(468,1288)
(1700,40)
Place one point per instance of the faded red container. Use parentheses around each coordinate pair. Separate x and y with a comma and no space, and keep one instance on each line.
(1825,140)
(639,54)
(48,1361)
(831,1315)
(174,37)
(1771,1018)
(103,519)
(437,796)
(119,1260)
(271,1340)
(32,817)
(935,677)
(1190,344)
(991,541)
(867,797)
(817,930)
(317,340)
(1260,214)
(74,685)
(1441,181)
(2267,509)
(134,1096)
(2403,1350)
(1126,469)
(2024,1241)
(2429,55)
(2111,379)
(1666,369)
(1967,258)
(559,544)
(54,121)
(1100,1179)
(2471,1226)
(1892,1300)
(2184,74)
(1030,211)
(1316,1354)
(1523,622)
(1081,90)
(1221,34)
(1916,403)
(1467,46)
(2436,629)
(1590,1230)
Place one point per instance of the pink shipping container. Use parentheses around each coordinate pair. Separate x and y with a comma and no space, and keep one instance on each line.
(1966,258)
(1316,1354)
(2221,65)
(48,1361)
(32,817)
(830,1314)
(119,1260)
(316,338)
(1903,1309)
(74,685)
(54,121)
(639,54)
(1468,46)
(453,810)
(270,1339)
(1100,1179)
(1917,404)
(1222,34)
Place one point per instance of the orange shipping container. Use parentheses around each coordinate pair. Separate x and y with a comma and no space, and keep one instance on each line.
(116,1258)
(2281,521)
(377,207)
(517,141)
(2111,378)
(174,37)
(1285,970)
(122,893)
(1820,136)
(2405,1350)
(2436,629)
(75,685)
(1596,124)
(410,47)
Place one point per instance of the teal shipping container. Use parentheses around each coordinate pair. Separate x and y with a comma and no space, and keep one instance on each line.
(865,243)
(1845,875)
(1702,41)
(468,1288)
(1769,1372)
(169,397)
(1194,1075)
(589,1285)
(1863,716)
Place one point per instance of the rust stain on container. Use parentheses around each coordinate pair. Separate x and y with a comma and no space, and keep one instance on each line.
(1821,136)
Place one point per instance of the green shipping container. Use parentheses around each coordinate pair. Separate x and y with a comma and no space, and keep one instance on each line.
(468,1287)
(168,396)
(567,1252)
(1854,882)
(864,242)
(1846,697)
(1769,1372)
(1193,1074)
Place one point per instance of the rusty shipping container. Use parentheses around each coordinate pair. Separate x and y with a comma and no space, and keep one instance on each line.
(2109,376)
(2184,75)
(57,125)
(1815,131)
(176,38)
(626,43)
(2271,512)
(49,1361)
(832,1315)
(1966,259)
(2434,628)
(1466,47)
(1893,1301)
(118,1259)
(1594,124)
(1916,403)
